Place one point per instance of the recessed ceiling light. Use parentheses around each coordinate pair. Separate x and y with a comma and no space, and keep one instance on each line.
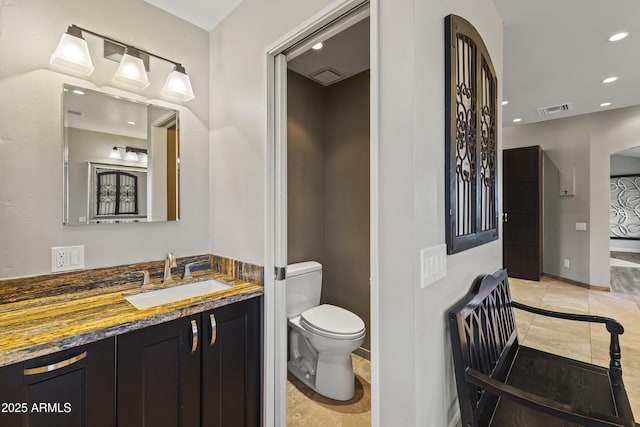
(78,92)
(618,36)
(131,122)
(505,102)
(610,80)
(518,120)
(605,104)
(317,46)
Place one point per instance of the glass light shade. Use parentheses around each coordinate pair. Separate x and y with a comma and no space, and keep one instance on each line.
(131,72)
(73,53)
(115,154)
(131,156)
(178,86)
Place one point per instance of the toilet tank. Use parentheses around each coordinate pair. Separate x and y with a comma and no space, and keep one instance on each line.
(304,283)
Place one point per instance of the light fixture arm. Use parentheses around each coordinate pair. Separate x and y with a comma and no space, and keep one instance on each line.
(77,31)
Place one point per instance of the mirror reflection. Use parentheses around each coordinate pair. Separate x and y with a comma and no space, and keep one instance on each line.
(121,161)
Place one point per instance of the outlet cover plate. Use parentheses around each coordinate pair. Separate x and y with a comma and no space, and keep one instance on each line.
(433,264)
(66,258)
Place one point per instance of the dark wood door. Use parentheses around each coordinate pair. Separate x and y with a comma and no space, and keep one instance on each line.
(159,375)
(231,380)
(71,388)
(522,218)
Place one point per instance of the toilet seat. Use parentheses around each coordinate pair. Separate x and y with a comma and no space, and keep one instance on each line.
(332,322)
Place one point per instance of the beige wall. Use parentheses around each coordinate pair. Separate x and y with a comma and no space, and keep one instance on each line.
(585,142)
(328,186)
(346,282)
(306,144)
(31,131)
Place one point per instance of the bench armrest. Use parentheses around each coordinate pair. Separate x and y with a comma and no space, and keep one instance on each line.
(614,327)
(542,404)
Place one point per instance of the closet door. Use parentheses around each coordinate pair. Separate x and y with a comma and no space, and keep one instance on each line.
(522,217)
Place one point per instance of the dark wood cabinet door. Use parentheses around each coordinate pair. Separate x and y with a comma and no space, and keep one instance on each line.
(159,375)
(522,205)
(231,374)
(71,388)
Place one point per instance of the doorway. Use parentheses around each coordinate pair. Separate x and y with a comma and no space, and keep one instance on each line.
(329,24)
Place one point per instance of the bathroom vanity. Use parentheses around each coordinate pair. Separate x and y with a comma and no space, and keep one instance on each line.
(194,362)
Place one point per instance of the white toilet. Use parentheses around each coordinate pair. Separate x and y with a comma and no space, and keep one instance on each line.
(322,337)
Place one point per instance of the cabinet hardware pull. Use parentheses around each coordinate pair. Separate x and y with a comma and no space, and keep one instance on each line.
(55,366)
(212,317)
(194,332)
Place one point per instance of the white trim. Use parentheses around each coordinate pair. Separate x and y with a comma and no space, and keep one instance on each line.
(275,371)
(268,391)
(374,209)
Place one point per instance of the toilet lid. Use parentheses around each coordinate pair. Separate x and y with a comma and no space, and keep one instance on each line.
(332,320)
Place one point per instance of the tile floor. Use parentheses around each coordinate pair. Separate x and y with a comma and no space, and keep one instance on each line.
(306,408)
(586,342)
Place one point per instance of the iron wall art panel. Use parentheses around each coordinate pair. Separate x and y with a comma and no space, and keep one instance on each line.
(471,138)
(624,211)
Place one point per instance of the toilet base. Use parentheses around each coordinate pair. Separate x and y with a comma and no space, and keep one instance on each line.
(333,378)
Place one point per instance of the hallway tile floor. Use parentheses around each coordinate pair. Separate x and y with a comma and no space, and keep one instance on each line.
(306,408)
(586,342)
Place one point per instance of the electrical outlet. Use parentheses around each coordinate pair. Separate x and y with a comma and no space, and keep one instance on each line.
(65,258)
(567,263)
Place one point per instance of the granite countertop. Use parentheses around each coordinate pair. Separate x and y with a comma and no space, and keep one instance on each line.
(49,323)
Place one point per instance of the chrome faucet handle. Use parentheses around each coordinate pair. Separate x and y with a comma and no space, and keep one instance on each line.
(189,266)
(145,276)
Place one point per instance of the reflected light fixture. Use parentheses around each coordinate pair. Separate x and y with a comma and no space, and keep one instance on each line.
(317,46)
(610,80)
(131,70)
(505,102)
(518,120)
(605,104)
(115,154)
(73,53)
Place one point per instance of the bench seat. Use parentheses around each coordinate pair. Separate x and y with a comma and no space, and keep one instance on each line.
(504,384)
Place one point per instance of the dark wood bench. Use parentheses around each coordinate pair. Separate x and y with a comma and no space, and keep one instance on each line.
(505,384)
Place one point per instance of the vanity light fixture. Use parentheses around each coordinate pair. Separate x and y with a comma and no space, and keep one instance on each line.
(131,154)
(518,120)
(73,53)
(131,70)
(317,46)
(610,80)
(605,104)
(505,102)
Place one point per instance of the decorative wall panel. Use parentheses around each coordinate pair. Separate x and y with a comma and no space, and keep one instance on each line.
(624,211)
(471,138)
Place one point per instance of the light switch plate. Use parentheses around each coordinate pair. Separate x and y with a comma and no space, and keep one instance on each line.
(433,264)
(66,258)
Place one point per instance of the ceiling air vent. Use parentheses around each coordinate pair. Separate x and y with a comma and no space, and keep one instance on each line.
(326,76)
(553,109)
(75,113)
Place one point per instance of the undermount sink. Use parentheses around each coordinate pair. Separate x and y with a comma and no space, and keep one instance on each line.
(176,293)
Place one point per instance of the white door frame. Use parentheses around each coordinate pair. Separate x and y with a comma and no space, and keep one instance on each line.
(275,250)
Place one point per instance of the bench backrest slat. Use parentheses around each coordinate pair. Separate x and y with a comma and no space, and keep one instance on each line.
(483,337)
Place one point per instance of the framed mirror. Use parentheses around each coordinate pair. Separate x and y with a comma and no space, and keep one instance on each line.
(121,159)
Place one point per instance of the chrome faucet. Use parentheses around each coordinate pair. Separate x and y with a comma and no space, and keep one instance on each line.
(169,263)
(145,276)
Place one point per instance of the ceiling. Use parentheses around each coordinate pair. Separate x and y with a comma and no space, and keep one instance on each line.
(557,51)
(206,14)
(347,53)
